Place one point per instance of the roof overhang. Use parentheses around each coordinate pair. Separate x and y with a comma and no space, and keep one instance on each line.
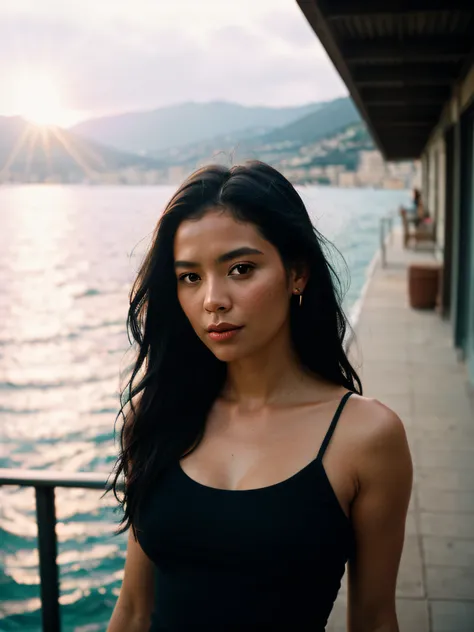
(400,61)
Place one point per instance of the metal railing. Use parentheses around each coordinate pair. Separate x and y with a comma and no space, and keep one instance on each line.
(386,234)
(44,483)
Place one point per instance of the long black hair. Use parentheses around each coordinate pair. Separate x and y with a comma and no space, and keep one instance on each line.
(175,378)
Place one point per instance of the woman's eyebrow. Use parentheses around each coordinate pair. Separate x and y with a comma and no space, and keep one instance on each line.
(238,252)
(228,256)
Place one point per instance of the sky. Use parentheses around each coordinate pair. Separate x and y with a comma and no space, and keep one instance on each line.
(72,60)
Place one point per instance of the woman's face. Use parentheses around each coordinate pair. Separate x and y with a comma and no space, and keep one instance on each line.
(231,278)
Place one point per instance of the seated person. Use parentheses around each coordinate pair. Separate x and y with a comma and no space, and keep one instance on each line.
(416,212)
(412,209)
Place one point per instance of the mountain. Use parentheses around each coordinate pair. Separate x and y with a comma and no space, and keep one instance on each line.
(36,153)
(331,134)
(147,132)
(325,122)
(329,118)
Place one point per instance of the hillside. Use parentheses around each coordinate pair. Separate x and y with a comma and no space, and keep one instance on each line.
(31,153)
(329,145)
(327,120)
(284,142)
(331,117)
(148,132)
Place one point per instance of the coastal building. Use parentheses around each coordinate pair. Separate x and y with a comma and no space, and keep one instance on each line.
(154,176)
(409,66)
(371,170)
(316,172)
(347,179)
(332,172)
(176,174)
(394,183)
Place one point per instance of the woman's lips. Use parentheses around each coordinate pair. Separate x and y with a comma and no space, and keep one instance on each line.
(221,336)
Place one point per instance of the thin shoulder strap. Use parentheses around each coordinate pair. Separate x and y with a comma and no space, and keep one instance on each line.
(332,427)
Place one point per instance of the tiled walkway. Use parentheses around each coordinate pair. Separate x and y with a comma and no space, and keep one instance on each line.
(407,360)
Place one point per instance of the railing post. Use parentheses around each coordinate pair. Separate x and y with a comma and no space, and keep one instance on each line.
(47,545)
(382,241)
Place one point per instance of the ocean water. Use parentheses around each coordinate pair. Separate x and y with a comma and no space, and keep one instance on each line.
(68,256)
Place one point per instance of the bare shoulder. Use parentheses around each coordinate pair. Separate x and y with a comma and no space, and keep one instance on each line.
(374,421)
(379,434)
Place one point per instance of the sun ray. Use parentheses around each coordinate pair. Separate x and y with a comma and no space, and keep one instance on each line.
(46,145)
(88,149)
(22,139)
(89,171)
(32,141)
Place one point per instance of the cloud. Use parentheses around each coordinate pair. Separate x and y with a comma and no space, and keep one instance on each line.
(119,56)
(291,28)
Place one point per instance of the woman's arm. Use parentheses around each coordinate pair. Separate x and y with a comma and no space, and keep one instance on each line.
(134,605)
(378,515)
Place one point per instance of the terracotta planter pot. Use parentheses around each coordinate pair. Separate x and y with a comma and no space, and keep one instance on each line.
(423,284)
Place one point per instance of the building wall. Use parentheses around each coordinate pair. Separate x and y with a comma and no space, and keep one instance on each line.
(466,246)
(434,185)
(470,309)
(458,119)
(466,90)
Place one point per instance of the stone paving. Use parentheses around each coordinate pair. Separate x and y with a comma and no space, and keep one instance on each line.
(406,360)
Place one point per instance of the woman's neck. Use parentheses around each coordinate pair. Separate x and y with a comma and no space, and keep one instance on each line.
(273,376)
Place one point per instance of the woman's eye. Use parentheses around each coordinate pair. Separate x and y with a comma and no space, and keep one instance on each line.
(241,268)
(189,277)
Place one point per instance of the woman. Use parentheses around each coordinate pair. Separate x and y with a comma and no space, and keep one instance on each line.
(415,202)
(415,212)
(254,469)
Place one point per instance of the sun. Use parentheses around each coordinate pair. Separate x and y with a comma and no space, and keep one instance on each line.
(38,100)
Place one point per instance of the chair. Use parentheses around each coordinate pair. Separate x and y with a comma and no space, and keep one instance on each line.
(420,233)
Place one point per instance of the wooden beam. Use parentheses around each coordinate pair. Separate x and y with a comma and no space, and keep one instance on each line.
(402,102)
(468,61)
(410,145)
(381,124)
(397,140)
(399,96)
(402,156)
(405,112)
(406,146)
(393,136)
(403,141)
(409,150)
(409,51)
(405,75)
(343,9)
(393,132)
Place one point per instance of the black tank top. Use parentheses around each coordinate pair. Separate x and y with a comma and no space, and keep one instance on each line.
(246,559)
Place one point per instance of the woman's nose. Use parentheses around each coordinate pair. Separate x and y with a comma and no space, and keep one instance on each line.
(216,299)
